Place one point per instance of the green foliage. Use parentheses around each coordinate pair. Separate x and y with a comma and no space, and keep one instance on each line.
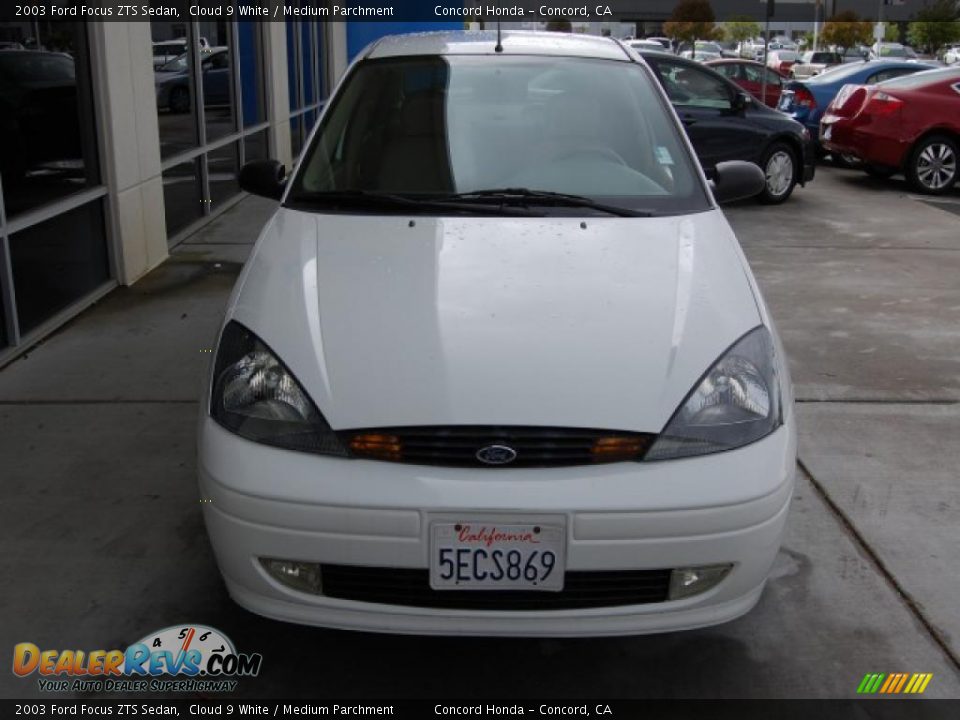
(691,20)
(936,25)
(846,30)
(740,28)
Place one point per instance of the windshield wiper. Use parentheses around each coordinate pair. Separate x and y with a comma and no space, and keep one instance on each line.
(366,199)
(526,196)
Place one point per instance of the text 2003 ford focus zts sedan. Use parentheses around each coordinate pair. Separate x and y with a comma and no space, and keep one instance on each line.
(497,364)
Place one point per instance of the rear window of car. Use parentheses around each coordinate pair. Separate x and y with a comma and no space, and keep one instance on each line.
(921,79)
(438,126)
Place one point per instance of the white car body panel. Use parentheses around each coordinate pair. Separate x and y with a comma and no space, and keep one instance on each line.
(451,302)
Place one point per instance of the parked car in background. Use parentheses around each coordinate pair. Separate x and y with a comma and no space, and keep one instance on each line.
(805,100)
(701,51)
(10,45)
(646,45)
(387,445)
(726,123)
(782,60)
(665,41)
(748,48)
(950,54)
(172,81)
(749,75)
(728,49)
(891,51)
(910,124)
(37,91)
(814,62)
(166,50)
(782,44)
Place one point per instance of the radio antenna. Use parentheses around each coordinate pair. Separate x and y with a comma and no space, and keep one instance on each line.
(499,46)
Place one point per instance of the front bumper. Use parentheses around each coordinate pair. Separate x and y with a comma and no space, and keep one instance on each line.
(265,502)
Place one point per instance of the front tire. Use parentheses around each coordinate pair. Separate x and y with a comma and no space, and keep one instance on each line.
(780,170)
(932,166)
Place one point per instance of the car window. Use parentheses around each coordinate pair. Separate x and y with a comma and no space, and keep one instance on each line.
(218,61)
(435,126)
(730,70)
(888,75)
(691,87)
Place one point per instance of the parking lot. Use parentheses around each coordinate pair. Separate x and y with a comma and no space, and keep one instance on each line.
(104,542)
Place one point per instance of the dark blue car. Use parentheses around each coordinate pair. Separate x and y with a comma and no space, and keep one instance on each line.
(806,100)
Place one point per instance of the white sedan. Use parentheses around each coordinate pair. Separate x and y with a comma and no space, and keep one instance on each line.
(497,365)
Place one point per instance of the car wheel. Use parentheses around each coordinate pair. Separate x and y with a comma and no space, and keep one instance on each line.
(932,167)
(881,172)
(780,169)
(180,100)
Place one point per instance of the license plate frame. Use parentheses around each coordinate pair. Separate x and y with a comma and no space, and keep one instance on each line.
(467,555)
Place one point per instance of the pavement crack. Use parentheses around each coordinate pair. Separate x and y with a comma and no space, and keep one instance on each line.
(861,542)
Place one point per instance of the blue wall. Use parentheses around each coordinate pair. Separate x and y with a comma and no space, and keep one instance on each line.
(360,34)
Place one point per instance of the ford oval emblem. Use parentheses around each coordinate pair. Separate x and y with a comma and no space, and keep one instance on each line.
(496,455)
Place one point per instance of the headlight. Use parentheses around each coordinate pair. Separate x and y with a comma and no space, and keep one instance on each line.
(256,397)
(735,403)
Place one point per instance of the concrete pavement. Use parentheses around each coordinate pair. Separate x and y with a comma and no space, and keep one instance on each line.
(103,538)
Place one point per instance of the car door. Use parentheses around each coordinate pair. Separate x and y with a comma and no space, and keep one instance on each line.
(705,103)
(216,79)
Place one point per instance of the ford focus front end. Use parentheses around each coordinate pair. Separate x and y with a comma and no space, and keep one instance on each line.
(497,366)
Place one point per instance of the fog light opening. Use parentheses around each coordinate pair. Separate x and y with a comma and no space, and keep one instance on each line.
(689,581)
(301,576)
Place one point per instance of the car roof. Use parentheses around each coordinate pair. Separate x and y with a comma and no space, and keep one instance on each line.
(514,42)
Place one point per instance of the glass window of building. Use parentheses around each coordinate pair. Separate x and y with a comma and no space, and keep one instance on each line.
(53,236)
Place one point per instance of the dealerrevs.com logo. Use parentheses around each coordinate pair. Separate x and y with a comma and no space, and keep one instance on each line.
(180,658)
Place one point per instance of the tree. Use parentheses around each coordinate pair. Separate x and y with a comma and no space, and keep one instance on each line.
(691,20)
(936,25)
(846,30)
(740,28)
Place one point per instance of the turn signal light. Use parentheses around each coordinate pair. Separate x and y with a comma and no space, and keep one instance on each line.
(376,445)
(611,449)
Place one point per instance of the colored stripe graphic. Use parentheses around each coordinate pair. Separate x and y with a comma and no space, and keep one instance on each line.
(894,683)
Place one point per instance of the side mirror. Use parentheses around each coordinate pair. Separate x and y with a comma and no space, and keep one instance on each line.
(737,180)
(263,177)
(741,101)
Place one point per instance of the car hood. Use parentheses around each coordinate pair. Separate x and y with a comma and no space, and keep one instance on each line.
(528,321)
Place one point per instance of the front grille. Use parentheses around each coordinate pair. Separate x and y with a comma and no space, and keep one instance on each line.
(411,587)
(458,445)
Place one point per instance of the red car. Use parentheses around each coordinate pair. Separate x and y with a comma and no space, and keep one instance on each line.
(749,75)
(910,124)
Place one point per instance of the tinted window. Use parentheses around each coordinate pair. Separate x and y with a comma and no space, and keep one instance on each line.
(437,126)
(688,86)
(888,75)
(924,78)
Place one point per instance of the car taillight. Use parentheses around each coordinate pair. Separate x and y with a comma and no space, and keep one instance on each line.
(883,104)
(848,100)
(804,98)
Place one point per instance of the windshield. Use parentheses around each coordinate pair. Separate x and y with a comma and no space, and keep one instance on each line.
(893,51)
(178,64)
(434,127)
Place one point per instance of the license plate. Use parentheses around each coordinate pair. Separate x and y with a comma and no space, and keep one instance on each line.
(786,100)
(486,556)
